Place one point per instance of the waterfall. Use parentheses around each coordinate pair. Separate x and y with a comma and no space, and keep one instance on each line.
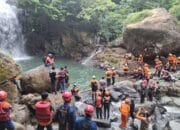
(11,38)
(88,59)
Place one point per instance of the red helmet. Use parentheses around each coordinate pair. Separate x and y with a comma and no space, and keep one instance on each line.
(67,96)
(3,95)
(89,109)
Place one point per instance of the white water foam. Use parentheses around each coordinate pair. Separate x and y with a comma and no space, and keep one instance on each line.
(11,38)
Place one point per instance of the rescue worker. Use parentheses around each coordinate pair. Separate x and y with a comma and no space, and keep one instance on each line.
(52,75)
(147,73)
(140,59)
(85,122)
(140,73)
(5,108)
(49,60)
(61,75)
(165,74)
(102,85)
(106,104)
(126,58)
(113,75)
(125,110)
(132,109)
(98,103)
(75,91)
(143,115)
(44,112)
(94,87)
(65,114)
(67,76)
(173,68)
(125,69)
(108,76)
(158,66)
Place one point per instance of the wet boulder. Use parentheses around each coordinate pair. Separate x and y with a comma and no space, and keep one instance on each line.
(174,125)
(118,86)
(115,96)
(36,80)
(158,33)
(102,123)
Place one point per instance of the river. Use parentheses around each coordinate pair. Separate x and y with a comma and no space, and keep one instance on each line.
(79,74)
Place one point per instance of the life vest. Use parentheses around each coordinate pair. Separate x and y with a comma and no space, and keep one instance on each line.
(98,102)
(126,69)
(170,59)
(113,73)
(140,60)
(94,85)
(107,99)
(108,74)
(61,74)
(43,113)
(4,111)
(49,60)
(124,109)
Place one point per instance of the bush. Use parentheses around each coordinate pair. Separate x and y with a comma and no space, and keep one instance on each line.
(175,10)
(136,17)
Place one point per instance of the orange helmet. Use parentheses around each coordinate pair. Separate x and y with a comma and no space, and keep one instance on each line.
(3,95)
(89,109)
(99,93)
(67,96)
(107,93)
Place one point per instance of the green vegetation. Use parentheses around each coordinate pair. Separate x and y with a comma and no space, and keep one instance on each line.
(103,18)
(135,17)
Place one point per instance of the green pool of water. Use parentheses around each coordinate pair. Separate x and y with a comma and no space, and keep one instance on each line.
(79,74)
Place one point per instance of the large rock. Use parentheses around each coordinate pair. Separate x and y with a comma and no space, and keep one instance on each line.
(156,34)
(36,80)
(11,89)
(8,68)
(119,85)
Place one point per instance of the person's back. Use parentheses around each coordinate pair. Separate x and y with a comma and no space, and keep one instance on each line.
(65,113)
(85,122)
(5,108)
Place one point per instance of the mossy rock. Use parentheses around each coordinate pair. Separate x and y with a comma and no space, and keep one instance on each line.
(8,68)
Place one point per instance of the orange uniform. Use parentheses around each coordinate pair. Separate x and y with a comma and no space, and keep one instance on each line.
(125,110)
(125,68)
(108,74)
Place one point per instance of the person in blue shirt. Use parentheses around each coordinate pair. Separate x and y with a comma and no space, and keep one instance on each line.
(65,114)
(85,122)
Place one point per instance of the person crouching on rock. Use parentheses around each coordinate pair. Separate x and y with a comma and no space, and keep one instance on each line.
(44,112)
(85,122)
(125,110)
(143,116)
(5,108)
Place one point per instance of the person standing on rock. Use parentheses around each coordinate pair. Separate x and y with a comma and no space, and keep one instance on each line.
(52,75)
(140,60)
(113,75)
(106,104)
(5,108)
(49,62)
(125,110)
(94,87)
(85,122)
(44,112)
(108,76)
(65,114)
(98,103)
(61,75)
(132,109)
(67,76)
(102,85)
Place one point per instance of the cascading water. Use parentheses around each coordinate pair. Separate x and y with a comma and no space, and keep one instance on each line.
(11,39)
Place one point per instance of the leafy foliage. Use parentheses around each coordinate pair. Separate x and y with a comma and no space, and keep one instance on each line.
(135,17)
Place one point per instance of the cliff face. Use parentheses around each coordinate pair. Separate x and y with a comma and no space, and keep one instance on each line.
(156,34)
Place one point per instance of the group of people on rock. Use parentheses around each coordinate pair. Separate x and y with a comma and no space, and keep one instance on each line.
(64,114)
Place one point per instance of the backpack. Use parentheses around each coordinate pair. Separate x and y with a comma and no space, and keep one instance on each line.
(4,116)
(85,125)
(43,113)
(63,115)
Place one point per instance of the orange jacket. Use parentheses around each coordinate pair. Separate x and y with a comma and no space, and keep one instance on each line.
(124,109)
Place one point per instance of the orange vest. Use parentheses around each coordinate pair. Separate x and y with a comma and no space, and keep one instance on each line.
(98,102)
(124,109)
(113,73)
(108,74)
(170,59)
